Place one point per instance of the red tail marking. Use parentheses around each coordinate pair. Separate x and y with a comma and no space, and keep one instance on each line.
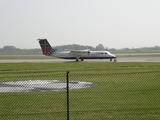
(46,47)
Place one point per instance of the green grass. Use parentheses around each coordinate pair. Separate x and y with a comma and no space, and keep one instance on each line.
(80,66)
(123,91)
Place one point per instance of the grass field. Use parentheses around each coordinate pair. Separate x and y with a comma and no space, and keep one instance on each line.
(123,91)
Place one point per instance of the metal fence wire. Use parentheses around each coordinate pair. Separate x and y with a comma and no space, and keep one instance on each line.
(92,96)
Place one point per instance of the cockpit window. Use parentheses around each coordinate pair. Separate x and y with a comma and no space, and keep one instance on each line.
(106,53)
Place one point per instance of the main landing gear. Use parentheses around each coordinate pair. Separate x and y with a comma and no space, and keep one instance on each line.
(77,59)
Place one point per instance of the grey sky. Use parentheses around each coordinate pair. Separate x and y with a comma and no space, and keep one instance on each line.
(113,23)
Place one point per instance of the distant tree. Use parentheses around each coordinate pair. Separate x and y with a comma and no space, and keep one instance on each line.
(73,47)
(156,47)
(1,50)
(100,47)
(126,49)
(112,49)
(9,48)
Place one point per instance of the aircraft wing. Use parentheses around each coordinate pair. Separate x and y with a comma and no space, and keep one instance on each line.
(79,52)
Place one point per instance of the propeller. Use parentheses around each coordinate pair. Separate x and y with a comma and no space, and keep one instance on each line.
(88,53)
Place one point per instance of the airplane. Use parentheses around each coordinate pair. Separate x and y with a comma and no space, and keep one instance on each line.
(74,54)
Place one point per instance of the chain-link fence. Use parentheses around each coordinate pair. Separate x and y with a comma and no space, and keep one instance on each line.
(98,96)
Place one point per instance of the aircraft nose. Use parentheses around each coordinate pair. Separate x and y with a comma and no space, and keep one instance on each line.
(113,56)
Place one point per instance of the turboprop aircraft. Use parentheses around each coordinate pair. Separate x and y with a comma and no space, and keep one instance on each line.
(74,54)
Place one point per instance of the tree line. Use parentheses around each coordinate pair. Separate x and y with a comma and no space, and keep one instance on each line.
(75,47)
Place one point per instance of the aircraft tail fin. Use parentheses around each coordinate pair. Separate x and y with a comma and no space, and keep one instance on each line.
(46,47)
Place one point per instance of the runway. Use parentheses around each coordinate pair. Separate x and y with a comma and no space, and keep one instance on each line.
(119,59)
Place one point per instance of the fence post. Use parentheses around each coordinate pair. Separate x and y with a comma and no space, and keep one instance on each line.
(67,73)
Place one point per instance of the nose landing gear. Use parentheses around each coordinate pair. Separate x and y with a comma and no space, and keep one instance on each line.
(115,60)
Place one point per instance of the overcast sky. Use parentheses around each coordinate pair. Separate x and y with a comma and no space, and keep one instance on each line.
(113,23)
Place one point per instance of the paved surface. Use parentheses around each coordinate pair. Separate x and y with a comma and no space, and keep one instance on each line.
(119,59)
(138,59)
(41,85)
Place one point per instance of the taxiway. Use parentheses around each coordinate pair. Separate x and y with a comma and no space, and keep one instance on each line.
(119,59)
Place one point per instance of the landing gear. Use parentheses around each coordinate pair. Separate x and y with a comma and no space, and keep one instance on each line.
(79,57)
(115,60)
(77,60)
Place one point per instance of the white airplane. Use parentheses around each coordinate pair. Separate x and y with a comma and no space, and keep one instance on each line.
(74,54)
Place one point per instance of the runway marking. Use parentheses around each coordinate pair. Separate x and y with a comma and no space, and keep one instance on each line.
(42,85)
